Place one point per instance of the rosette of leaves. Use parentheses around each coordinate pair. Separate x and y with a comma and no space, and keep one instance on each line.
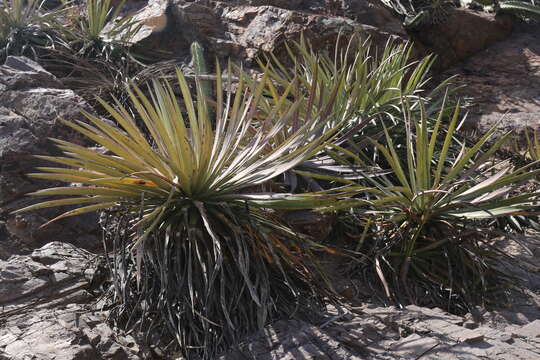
(203,260)
(416,13)
(373,81)
(95,57)
(25,27)
(428,226)
(100,32)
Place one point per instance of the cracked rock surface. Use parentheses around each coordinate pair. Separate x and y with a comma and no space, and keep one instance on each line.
(31,103)
(47,312)
(387,333)
(369,331)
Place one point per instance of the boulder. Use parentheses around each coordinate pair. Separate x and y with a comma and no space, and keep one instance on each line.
(169,27)
(46,271)
(504,82)
(31,103)
(463,33)
(259,30)
(372,13)
(367,12)
(243,30)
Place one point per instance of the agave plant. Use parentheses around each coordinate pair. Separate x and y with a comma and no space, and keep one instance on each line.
(372,83)
(207,260)
(431,238)
(25,26)
(94,55)
(102,32)
(419,12)
(372,86)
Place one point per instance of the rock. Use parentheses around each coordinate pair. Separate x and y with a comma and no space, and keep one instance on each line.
(23,73)
(514,120)
(153,18)
(507,338)
(365,12)
(6,248)
(20,279)
(419,312)
(503,84)
(62,323)
(243,30)
(51,4)
(285,4)
(246,29)
(462,34)
(317,225)
(470,324)
(414,346)
(451,331)
(169,27)
(58,347)
(372,334)
(292,340)
(531,330)
(31,103)
(46,271)
(259,30)
(374,14)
